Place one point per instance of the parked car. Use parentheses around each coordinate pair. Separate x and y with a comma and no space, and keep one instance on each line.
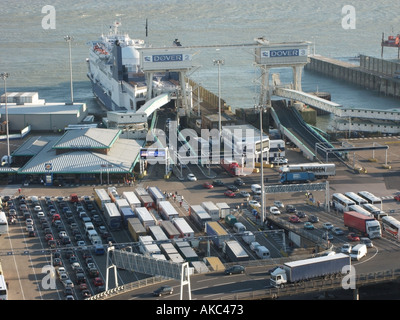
(218,183)
(279,160)
(164,290)
(313,218)
(308,226)
(291,209)
(207,185)
(327,225)
(244,194)
(294,219)
(274,210)
(191,177)
(279,204)
(233,188)
(367,242)
(337,231)
(346,248)
(327,236)
(301,214)
(353,237)
(235,269)
(239,182)
(229,193)
(254,204)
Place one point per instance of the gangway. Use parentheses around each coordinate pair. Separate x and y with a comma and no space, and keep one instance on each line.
(309,99)
(155,103)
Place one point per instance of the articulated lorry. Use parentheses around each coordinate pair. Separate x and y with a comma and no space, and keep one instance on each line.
(368,226)
(297,177)
(309,269)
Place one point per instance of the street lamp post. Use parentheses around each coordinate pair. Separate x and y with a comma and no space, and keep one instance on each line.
(4,76)
(261,108)
(219,62)
(69,40)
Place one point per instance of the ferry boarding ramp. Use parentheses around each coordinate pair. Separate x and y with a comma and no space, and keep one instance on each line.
(292,126)
(155,103)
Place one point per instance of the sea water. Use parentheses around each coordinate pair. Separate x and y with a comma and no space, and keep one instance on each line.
(37,59)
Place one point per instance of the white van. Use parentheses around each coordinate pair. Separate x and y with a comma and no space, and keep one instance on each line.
(262,252)
(359,251)
(256,188)
(89,226)
(239,227)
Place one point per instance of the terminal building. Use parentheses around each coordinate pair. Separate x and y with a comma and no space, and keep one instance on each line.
(26,109)
(92,155)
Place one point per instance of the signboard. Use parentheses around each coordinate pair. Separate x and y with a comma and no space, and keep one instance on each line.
(152,153)
(166,59)
(284,54)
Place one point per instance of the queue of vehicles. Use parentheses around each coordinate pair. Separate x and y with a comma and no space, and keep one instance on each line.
(59,222)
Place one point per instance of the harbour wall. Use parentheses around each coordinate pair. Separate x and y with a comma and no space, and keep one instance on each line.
(372,73)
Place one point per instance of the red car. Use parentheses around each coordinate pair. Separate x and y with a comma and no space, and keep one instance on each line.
(294,219)
(97,282)
(208,185)
(353,237)
(229,193)
(48,237)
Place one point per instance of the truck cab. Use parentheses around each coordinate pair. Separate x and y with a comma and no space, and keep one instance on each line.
(278,278)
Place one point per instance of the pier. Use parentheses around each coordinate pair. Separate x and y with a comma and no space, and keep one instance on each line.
(372,73)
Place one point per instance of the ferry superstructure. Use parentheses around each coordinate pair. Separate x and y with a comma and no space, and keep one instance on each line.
(114,70)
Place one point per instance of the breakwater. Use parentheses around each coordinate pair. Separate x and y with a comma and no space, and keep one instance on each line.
(372,73)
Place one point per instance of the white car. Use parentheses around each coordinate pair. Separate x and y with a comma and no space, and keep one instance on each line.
(327,225)
(29,222)
(274,210)
(191,177)
(29,228)
(254,204)
(279,204)
(40,214)
(346,248)
(37,208)
(279,160)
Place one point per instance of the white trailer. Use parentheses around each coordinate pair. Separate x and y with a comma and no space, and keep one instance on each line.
(132,199)
(167,211)
(183,227)
(224,209)
(211,209)
(158,234)
(145,217)
(199,216)
(101,197)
